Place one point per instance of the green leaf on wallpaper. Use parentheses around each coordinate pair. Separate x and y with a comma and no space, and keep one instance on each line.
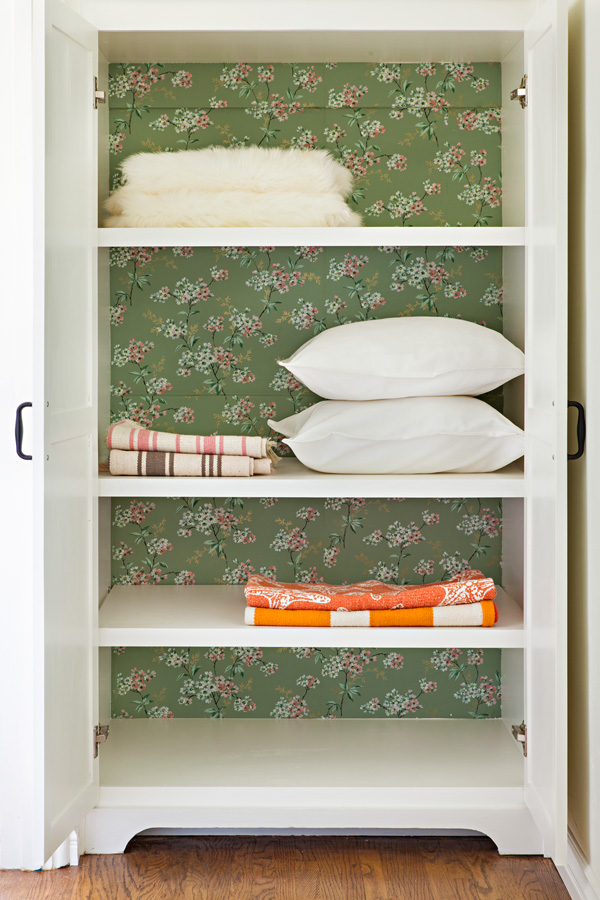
(215,546)
(446,254)
(270,134)
(215,385)
(235,668)
(479,550)
(246,90)
(427,130)
(445,86)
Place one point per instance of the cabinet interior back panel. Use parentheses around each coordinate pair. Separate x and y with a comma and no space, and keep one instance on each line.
(423,140)
(193,541)
(304,682)
(197,333)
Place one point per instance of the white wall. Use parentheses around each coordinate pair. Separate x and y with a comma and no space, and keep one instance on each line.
(584,474)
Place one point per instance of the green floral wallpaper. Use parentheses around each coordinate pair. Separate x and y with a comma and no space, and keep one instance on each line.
(190,540)
(423,140)
(196,335)
(197,332)
(193,540)
(304,682)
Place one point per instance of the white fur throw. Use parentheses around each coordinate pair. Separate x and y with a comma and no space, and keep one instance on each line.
(232,186)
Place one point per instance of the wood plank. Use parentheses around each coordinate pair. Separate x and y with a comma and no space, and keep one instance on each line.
(323,867)
(372,236)
(292,479)
(213,615)
(261,760)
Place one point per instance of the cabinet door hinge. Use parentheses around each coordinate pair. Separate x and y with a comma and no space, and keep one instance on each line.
(520,93)
(99,96)
(100,736)
(519,732)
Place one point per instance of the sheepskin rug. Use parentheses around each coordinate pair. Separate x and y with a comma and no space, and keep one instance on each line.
(232,186)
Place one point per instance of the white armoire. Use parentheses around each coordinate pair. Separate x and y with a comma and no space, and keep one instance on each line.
(62,796)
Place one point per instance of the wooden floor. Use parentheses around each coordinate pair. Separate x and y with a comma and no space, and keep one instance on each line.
(295,868)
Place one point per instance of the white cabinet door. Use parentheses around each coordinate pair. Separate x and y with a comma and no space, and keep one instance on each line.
(546,413)
(66,392)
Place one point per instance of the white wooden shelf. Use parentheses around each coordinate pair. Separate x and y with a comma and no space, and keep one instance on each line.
(149,759)
(316,237)
(213,615)
(292,479)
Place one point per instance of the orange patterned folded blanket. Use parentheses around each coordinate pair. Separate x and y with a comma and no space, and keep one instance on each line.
(470,588)
(127,435)
(483,614)
(134,462)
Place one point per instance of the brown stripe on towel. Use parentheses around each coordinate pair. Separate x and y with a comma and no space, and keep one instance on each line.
(139,464)
(219,464)
(156,463)
(171,458)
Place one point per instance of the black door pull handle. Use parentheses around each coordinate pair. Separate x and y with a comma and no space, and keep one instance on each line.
(19,430)
(580,430)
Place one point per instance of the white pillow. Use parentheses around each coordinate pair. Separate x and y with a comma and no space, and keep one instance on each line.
(406,436)
(414,356)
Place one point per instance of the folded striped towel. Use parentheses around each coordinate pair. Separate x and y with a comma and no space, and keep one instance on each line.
(469,588)
(127,435)
(140,462)
(484,614)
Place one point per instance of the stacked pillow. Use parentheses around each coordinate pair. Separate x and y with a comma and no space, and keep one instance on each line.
(232,186)
(400,398)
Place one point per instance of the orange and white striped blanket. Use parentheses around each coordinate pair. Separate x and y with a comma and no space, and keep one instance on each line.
(466,614)
(127,435)
(471,588)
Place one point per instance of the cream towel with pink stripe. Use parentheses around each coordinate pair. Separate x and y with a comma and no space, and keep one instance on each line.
(127,435)
(196,465)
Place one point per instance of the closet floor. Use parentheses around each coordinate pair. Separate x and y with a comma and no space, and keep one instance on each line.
(295,868)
